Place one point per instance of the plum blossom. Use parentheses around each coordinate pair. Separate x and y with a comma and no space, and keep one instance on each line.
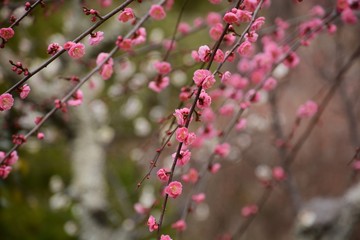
(183,158)
(249,210)
(96,38)
(152,223)
(159,84)
(6,101)
(5,171)
(157,12)
(204,100)
(106,70)
(278,174)
(181,115)
(174,189)
(165,237)
(24,91)
(307,110)
(222,150)
(126,15)
(204,78)
(162,67)
(163,175)
(198,198)
(191,176)
(245,48)
(6,33)
(77,98)
(75,50)
(179,225)
(204,53)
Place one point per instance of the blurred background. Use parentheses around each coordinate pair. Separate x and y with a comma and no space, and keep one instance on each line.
(80,182)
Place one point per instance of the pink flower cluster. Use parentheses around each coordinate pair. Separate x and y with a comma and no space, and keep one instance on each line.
(126,15)
(157,12)
(106,70)
(183,135)
(204,78)
(75,50)
(6,164)
(307,110)
(137,38)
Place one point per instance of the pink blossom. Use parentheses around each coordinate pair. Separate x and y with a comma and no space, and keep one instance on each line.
(181,115)
(227,110)
(53,48)
(222,150)
(6,101)
(204,53)
(278,174)
(191,176)
(215,1)
(183,158)
(24,91)
(152,224)
(11,159)
(105,3)
(244,15)
(198,198)
(96,38)
(204,78)
(331,28)
(348,16)
(245,48)
(140,209)
(225,78)
(204,100)
(126,15)
(213,18)
(159,84)
(181,134)
(68,45)
(101,58)
(219,56)
(124,44)
(258,23)
(184,28)
(106,71)
(6,33)
(195,56)
(169,44)
(292,60)
(251,37)
(179,225)
(207,115)
(249,210)
(191,137)
(241,125)
(77,50)
(318,11)
(356,165)
(229,39)
(5,171)
(139,37)
(77,98)
(230,18)
(230,56)
(163,175)
(270,84)
(215,168)
(216,31)
(307,110)
(40,136)
(238,82)
(174,189)
(157,12)
(162,67)
(165,237)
